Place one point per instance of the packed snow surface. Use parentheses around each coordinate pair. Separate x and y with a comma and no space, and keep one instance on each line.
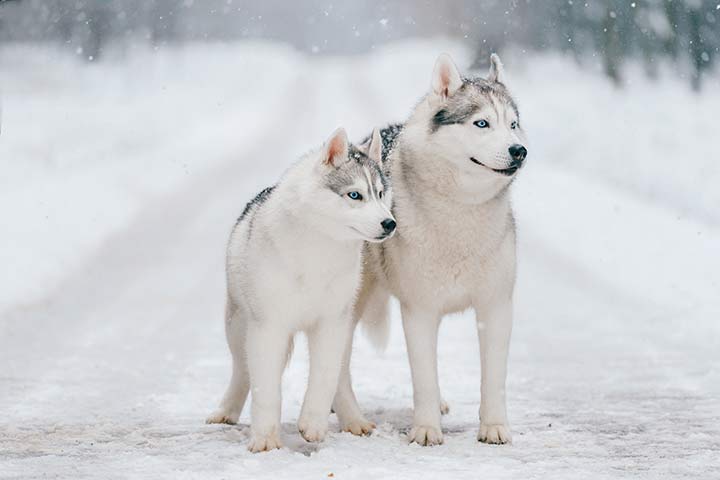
(120,182)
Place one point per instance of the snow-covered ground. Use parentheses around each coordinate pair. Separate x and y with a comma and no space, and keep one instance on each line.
(120,182)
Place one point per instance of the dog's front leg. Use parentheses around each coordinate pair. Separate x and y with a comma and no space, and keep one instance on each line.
(326,342)
(494,326)
(421,332)
(267,349)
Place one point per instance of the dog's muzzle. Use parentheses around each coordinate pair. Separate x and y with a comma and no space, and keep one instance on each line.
(517,157)
(517,154)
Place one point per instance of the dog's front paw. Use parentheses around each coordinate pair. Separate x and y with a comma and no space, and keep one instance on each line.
(444,407)
(312,430)
(426,436)
(223,416)
(496,434)
(264,443)
(358,426)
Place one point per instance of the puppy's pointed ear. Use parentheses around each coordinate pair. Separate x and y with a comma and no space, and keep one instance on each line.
(375,147)
(335,149)
(446,79)
(496,73)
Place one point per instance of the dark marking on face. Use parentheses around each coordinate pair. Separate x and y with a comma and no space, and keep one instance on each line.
(347,173)
(474,93)
(447,116)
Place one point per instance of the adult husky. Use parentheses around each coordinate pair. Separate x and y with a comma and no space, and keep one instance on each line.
(294,263)
(451,165)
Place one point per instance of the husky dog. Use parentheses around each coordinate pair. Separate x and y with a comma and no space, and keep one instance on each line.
(294,263)
(451,165)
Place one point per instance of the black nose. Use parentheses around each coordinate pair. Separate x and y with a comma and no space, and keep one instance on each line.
(388,225)
(518,154)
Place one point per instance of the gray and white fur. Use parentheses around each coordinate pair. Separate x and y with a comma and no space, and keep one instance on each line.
(294,264)
(451,165)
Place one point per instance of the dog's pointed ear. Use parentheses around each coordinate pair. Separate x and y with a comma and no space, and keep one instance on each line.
(374,151)
(496,73)
(335,149)
(446,78)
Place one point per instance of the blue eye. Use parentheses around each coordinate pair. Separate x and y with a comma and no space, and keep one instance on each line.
(355,195)
(482,124)
(513,125)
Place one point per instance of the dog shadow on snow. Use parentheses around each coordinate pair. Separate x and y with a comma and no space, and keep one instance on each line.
(392,423)
(400,420)
(291,439)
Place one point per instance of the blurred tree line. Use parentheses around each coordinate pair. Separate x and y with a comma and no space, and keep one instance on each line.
(680,31)
(684,33)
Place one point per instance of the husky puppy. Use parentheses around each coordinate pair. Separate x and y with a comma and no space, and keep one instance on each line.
(451,165)
(294,263)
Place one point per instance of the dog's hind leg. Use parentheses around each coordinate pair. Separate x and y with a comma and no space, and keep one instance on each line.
(232,403)
(345,404)
(371,309)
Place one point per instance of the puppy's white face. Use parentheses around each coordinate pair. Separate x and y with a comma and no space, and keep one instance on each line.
(355,195)
(367,208)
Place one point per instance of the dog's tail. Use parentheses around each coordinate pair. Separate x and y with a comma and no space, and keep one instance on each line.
(372,311)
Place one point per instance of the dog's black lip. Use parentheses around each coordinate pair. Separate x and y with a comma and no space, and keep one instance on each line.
(374,239)
(505,171)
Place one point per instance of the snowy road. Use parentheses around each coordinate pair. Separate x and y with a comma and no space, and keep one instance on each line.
(108,369)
